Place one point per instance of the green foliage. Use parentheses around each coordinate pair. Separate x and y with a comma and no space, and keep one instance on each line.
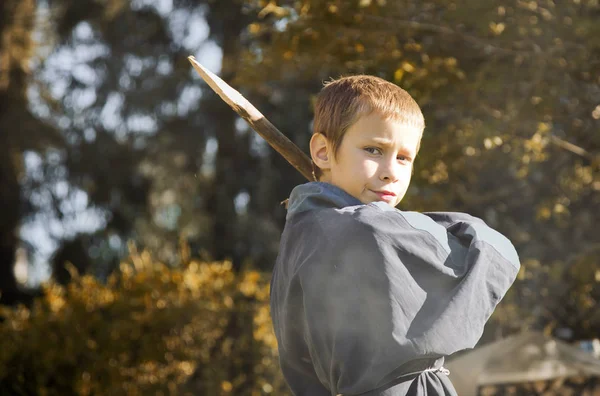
(150,329)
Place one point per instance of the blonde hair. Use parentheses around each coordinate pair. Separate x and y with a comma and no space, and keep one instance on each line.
(343,101)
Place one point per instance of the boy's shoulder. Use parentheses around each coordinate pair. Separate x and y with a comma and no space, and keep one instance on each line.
(338,224)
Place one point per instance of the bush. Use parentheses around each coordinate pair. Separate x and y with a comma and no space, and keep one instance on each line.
(201,329)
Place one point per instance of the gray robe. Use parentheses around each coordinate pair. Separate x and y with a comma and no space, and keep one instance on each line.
(368,299)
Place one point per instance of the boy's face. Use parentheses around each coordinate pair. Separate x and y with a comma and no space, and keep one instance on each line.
(375,159)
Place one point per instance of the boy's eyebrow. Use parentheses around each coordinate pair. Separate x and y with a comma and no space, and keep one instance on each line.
(388,142)
(384,141)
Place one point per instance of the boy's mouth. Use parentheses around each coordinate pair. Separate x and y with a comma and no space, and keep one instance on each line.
(384,195)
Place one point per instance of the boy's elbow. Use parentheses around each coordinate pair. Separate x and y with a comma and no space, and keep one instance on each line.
(496,240)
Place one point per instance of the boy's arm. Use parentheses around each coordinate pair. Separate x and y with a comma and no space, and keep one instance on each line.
(389,290)
(347,317)
(472,229)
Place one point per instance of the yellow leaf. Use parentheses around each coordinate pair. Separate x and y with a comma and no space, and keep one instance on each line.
(450,62)
(254,28)
(398,75)
(544,213)
(497,28)
(408,67)
(596,113)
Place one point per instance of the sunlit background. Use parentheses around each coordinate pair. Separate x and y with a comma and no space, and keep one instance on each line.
(141,216)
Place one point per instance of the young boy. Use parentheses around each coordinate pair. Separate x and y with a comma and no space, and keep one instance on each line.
(367,299)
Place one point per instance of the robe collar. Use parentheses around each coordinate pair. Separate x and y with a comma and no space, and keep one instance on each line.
(318,195)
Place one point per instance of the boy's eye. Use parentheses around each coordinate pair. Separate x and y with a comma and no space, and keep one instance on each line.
(372,150)
(375,150)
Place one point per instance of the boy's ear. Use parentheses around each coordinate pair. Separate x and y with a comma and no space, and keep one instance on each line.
(319,151)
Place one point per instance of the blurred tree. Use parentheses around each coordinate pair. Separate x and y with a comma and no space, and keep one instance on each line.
(116,83)
(131,101)
(137,103)
(234,165)
(19,131)
(511,97)
(510,92)
(73,252)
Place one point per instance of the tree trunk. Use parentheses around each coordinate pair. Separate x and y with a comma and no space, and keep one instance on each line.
(226,22)
(16,24)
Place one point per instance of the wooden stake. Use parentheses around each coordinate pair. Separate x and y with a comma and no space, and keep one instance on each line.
(257,121)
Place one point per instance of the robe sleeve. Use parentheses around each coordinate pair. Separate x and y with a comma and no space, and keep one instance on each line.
(383,291)
(446,219)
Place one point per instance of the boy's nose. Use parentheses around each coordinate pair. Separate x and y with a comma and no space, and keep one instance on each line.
(390,172)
